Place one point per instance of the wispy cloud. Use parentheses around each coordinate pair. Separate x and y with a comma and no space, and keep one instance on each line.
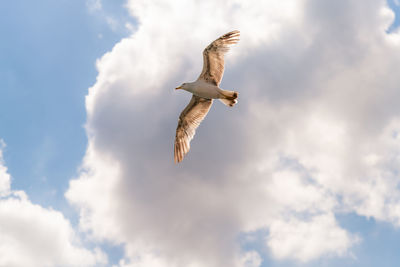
(114,14)
(94,5)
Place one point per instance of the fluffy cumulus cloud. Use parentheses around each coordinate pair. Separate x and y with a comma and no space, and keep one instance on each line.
(31,235)
(315,133)
(306,239)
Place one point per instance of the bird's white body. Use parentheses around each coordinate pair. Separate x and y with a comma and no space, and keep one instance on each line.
(204,89)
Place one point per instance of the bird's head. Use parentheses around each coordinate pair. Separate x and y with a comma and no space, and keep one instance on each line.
(184,86)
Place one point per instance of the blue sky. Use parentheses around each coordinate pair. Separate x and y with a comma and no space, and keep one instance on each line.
(47,63)
(46,71)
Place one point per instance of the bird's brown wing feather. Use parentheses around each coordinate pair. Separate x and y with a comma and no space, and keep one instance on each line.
(213,57)
(189,120)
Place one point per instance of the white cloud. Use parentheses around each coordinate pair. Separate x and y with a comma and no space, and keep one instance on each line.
(5,179)
(314,133)
(31,235)
(306,240)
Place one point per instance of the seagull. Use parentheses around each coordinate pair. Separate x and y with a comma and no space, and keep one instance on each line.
(204,90)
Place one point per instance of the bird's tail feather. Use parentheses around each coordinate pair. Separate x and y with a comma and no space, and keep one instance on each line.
(229,103)
(229,98)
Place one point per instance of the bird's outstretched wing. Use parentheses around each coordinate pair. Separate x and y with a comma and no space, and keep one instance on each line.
(189,120)
(213,57)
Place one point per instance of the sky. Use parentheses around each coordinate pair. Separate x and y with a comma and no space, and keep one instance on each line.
(303,171)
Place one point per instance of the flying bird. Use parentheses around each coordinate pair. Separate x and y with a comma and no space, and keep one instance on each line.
(204,90)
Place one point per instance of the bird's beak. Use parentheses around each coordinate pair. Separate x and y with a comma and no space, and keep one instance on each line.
(179,87)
